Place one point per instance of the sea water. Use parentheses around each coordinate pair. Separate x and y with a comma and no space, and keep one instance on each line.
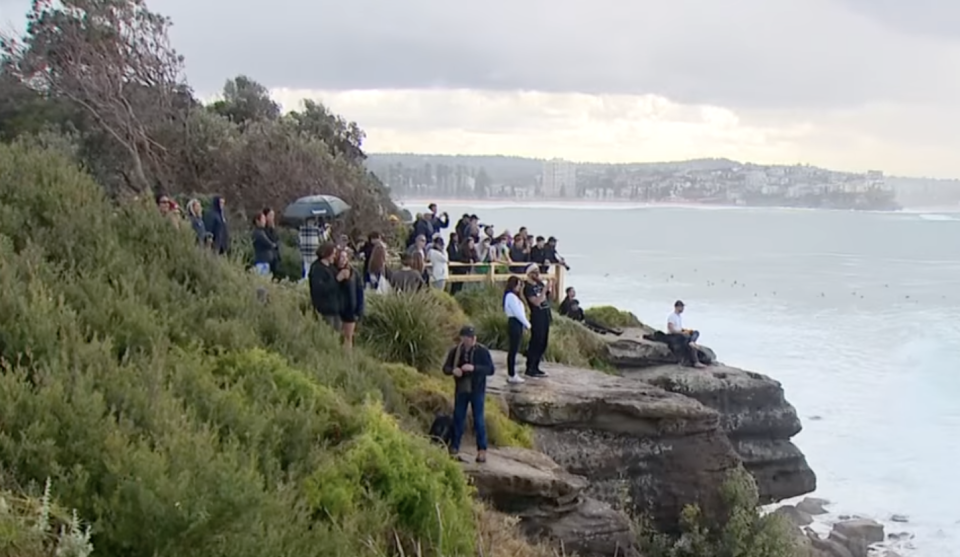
(856,313)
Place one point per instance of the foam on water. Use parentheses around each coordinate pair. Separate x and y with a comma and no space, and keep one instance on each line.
(858,315)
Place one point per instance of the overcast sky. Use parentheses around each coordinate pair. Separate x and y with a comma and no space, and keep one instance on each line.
(852,84)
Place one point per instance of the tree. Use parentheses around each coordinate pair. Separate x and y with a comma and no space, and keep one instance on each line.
(344,138)
(245,100)
(113,59)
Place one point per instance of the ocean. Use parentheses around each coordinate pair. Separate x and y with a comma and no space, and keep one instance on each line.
(856,313)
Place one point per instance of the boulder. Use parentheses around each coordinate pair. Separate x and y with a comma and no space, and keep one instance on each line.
(550,502)
(827,547)
(794,515)
(524,483)
(755,416)
(631,351)
(864,529)
(592,529)
(813,506)
(642,447)
(857,535)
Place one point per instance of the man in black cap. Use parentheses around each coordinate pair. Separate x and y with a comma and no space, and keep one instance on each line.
(470,364)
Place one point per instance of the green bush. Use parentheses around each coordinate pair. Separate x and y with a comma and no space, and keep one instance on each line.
(157,384)
(743,530)
(415,329)
(421,491)
(482,299)
(612,317)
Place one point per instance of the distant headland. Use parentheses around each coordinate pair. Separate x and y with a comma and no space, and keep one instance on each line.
(701,181)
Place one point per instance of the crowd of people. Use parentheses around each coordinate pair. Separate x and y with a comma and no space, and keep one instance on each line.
(338,290)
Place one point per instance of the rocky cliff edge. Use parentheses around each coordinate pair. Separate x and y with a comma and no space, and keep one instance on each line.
(650,439)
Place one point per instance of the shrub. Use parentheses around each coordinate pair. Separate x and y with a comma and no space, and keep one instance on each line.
(154,385)
(612,317)
(482,299)
(742,531)
(415,329)
(423,493)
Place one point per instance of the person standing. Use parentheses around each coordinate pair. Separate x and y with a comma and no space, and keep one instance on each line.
(216,223)
(439,268)
(195,214)
(537,295)
(516,322)
(270,227)
(325,279)
(438,221)
(309,243)
(264,250)
(351,290)
(470,364)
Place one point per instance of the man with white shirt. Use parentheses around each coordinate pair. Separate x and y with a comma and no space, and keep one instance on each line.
(686,338)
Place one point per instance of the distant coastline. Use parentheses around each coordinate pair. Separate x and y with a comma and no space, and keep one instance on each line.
(414,204)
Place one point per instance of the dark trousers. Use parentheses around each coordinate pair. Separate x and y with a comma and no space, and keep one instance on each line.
(539,337)
(515,335)
(680,345)
(475,402)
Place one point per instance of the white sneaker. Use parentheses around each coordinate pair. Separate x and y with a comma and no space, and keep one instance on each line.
(516,380)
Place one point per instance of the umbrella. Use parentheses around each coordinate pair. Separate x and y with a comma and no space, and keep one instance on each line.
(315,206)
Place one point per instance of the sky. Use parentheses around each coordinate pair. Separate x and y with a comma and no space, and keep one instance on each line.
(845,84)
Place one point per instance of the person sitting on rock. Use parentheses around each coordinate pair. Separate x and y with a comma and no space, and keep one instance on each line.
(571,309)
(685,338)
(470,364)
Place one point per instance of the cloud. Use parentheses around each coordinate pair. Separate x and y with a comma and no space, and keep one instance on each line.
(844,83)
(623,128)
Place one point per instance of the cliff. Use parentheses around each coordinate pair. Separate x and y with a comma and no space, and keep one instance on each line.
(650,439)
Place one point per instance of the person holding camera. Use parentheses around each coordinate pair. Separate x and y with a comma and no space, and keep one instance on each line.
(537,294)
(469,363)
(440,221)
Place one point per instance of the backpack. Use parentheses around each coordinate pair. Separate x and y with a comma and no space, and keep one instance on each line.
(441,431)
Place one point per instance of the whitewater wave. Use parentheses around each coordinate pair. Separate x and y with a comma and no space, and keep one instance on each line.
(937,217)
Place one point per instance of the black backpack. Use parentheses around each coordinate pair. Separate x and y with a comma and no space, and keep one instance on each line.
(441,431)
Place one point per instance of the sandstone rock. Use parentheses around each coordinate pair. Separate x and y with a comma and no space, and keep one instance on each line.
(631,351)
(524,483)
(813,506)
(756,417)
(794,515)
(899,518)
(593,529)
(828,547)
(865,529)
(641,446)
(548,501)
(857,535)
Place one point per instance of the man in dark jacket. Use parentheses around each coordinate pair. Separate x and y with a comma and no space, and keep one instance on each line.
(438,221)
(216,224)
(325,279)
(470,364)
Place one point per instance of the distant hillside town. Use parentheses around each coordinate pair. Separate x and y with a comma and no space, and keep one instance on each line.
(707,181)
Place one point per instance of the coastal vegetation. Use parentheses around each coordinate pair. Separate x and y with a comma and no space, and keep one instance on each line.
(171,403)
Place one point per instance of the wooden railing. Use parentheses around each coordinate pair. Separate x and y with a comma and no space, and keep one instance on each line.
(500,272)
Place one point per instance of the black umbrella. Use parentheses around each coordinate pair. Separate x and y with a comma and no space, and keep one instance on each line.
(315,206)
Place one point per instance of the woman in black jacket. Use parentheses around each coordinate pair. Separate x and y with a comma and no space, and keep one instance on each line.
(264,249)
(351,297)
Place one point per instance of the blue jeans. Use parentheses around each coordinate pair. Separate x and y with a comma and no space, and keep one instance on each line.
(460,403)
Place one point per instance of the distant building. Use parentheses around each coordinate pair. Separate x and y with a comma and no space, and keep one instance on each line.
(559,178)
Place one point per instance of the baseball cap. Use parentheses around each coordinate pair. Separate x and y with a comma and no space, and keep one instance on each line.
(468,331)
